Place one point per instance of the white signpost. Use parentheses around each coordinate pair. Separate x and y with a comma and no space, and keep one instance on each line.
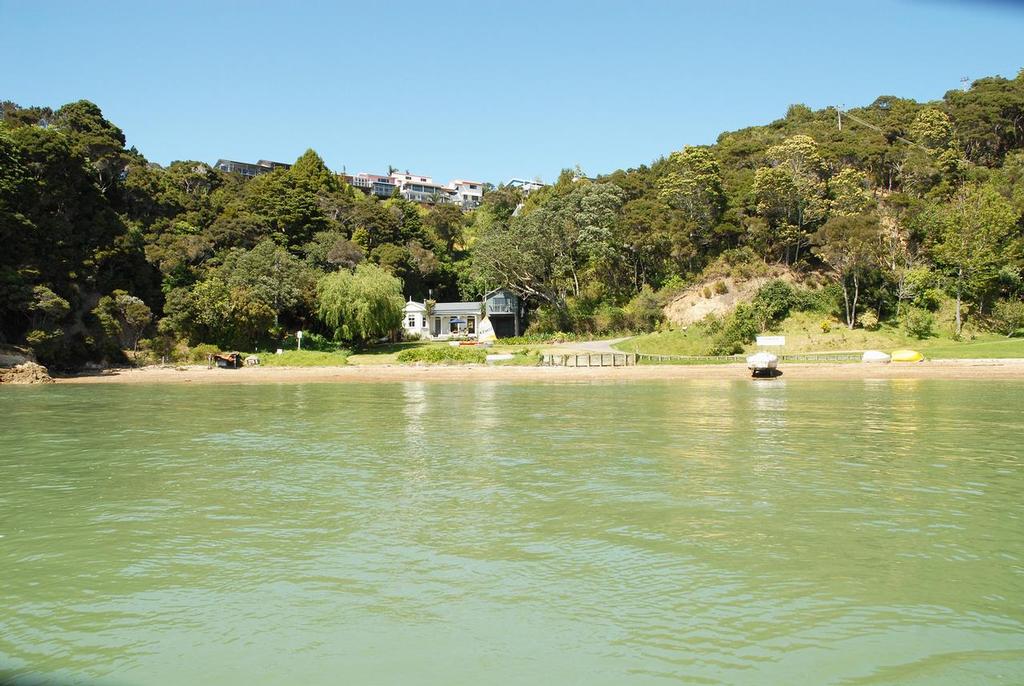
(298,337)
(771,341)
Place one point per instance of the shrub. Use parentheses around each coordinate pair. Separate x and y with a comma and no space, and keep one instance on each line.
(721,288)
(644,313)
(739,263)
(930,299)
(548,320)
(711,324)
(201,352)
(609,318)
(918,322)
(1008,316)
(868,320)
(822,300)
(314,341)
(443,354)
(706,292)
(826,326)
(738,329)
(772,303)
(672,286)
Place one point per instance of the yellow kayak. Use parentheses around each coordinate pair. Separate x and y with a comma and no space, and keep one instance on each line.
(907,356)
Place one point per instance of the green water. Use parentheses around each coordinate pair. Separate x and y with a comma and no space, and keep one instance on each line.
(436,533)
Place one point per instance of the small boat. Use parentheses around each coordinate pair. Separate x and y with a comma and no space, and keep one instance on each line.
(763,363)
(875,356)
(228,360)
(907,356)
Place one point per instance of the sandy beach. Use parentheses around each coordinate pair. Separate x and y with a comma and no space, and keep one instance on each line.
(939,369)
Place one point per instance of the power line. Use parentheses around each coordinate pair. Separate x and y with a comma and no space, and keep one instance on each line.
(878,129)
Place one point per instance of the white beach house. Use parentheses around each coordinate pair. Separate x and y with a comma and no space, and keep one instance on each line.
(500,312)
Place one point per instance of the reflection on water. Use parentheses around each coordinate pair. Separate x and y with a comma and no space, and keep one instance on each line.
(699,532)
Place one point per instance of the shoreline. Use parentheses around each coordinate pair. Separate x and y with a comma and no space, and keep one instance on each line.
(993,369)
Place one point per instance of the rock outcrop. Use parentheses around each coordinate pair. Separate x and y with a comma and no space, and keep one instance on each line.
(10,356)
(26,373)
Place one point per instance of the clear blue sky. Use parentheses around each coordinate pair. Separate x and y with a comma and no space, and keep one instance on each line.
(482,90)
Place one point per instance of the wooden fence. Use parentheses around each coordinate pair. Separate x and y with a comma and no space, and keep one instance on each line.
(644,358)
(633,359)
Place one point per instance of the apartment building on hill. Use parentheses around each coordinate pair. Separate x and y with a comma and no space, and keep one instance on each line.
(250,169)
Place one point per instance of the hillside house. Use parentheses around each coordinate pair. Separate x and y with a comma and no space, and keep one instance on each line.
(499,312)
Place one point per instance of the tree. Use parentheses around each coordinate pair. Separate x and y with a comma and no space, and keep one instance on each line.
(847,244)
(791,191)
(932,128)
(898,256)
(101,142)
(850,194)
(310,174)
(972,240)
(544,253)
(989,117)
(125,317)
(447,223)
(269,274)
(362,305)
(213,311)
(345,254)
(695,187)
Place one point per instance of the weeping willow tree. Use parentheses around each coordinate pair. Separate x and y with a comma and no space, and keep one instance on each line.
(360,305)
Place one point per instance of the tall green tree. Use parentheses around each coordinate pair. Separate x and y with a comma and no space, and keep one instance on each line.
(791,192)
(545,253)
(695,187)
(447,224)
(973,240)
(848,245)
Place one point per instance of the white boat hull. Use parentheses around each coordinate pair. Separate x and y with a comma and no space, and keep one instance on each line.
(762,362)
(875,356)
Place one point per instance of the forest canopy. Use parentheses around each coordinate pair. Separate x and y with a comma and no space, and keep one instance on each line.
(898,202)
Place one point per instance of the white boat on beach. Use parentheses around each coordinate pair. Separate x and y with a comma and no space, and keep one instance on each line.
(876,356)
(763,363)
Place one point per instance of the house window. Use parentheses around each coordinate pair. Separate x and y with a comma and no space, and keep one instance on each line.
(470,324)
(412,321)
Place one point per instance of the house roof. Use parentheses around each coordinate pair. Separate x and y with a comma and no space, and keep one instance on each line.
(413,305)
(456,308)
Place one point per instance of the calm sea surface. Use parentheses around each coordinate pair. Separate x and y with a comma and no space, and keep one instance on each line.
(774,532)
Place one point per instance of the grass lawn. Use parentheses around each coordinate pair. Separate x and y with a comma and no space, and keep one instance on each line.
(803,334)
(388,354)
(304,358)
(987,347)
(385,353)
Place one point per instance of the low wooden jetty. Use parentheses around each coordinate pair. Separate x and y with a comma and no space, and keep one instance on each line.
(588,360)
